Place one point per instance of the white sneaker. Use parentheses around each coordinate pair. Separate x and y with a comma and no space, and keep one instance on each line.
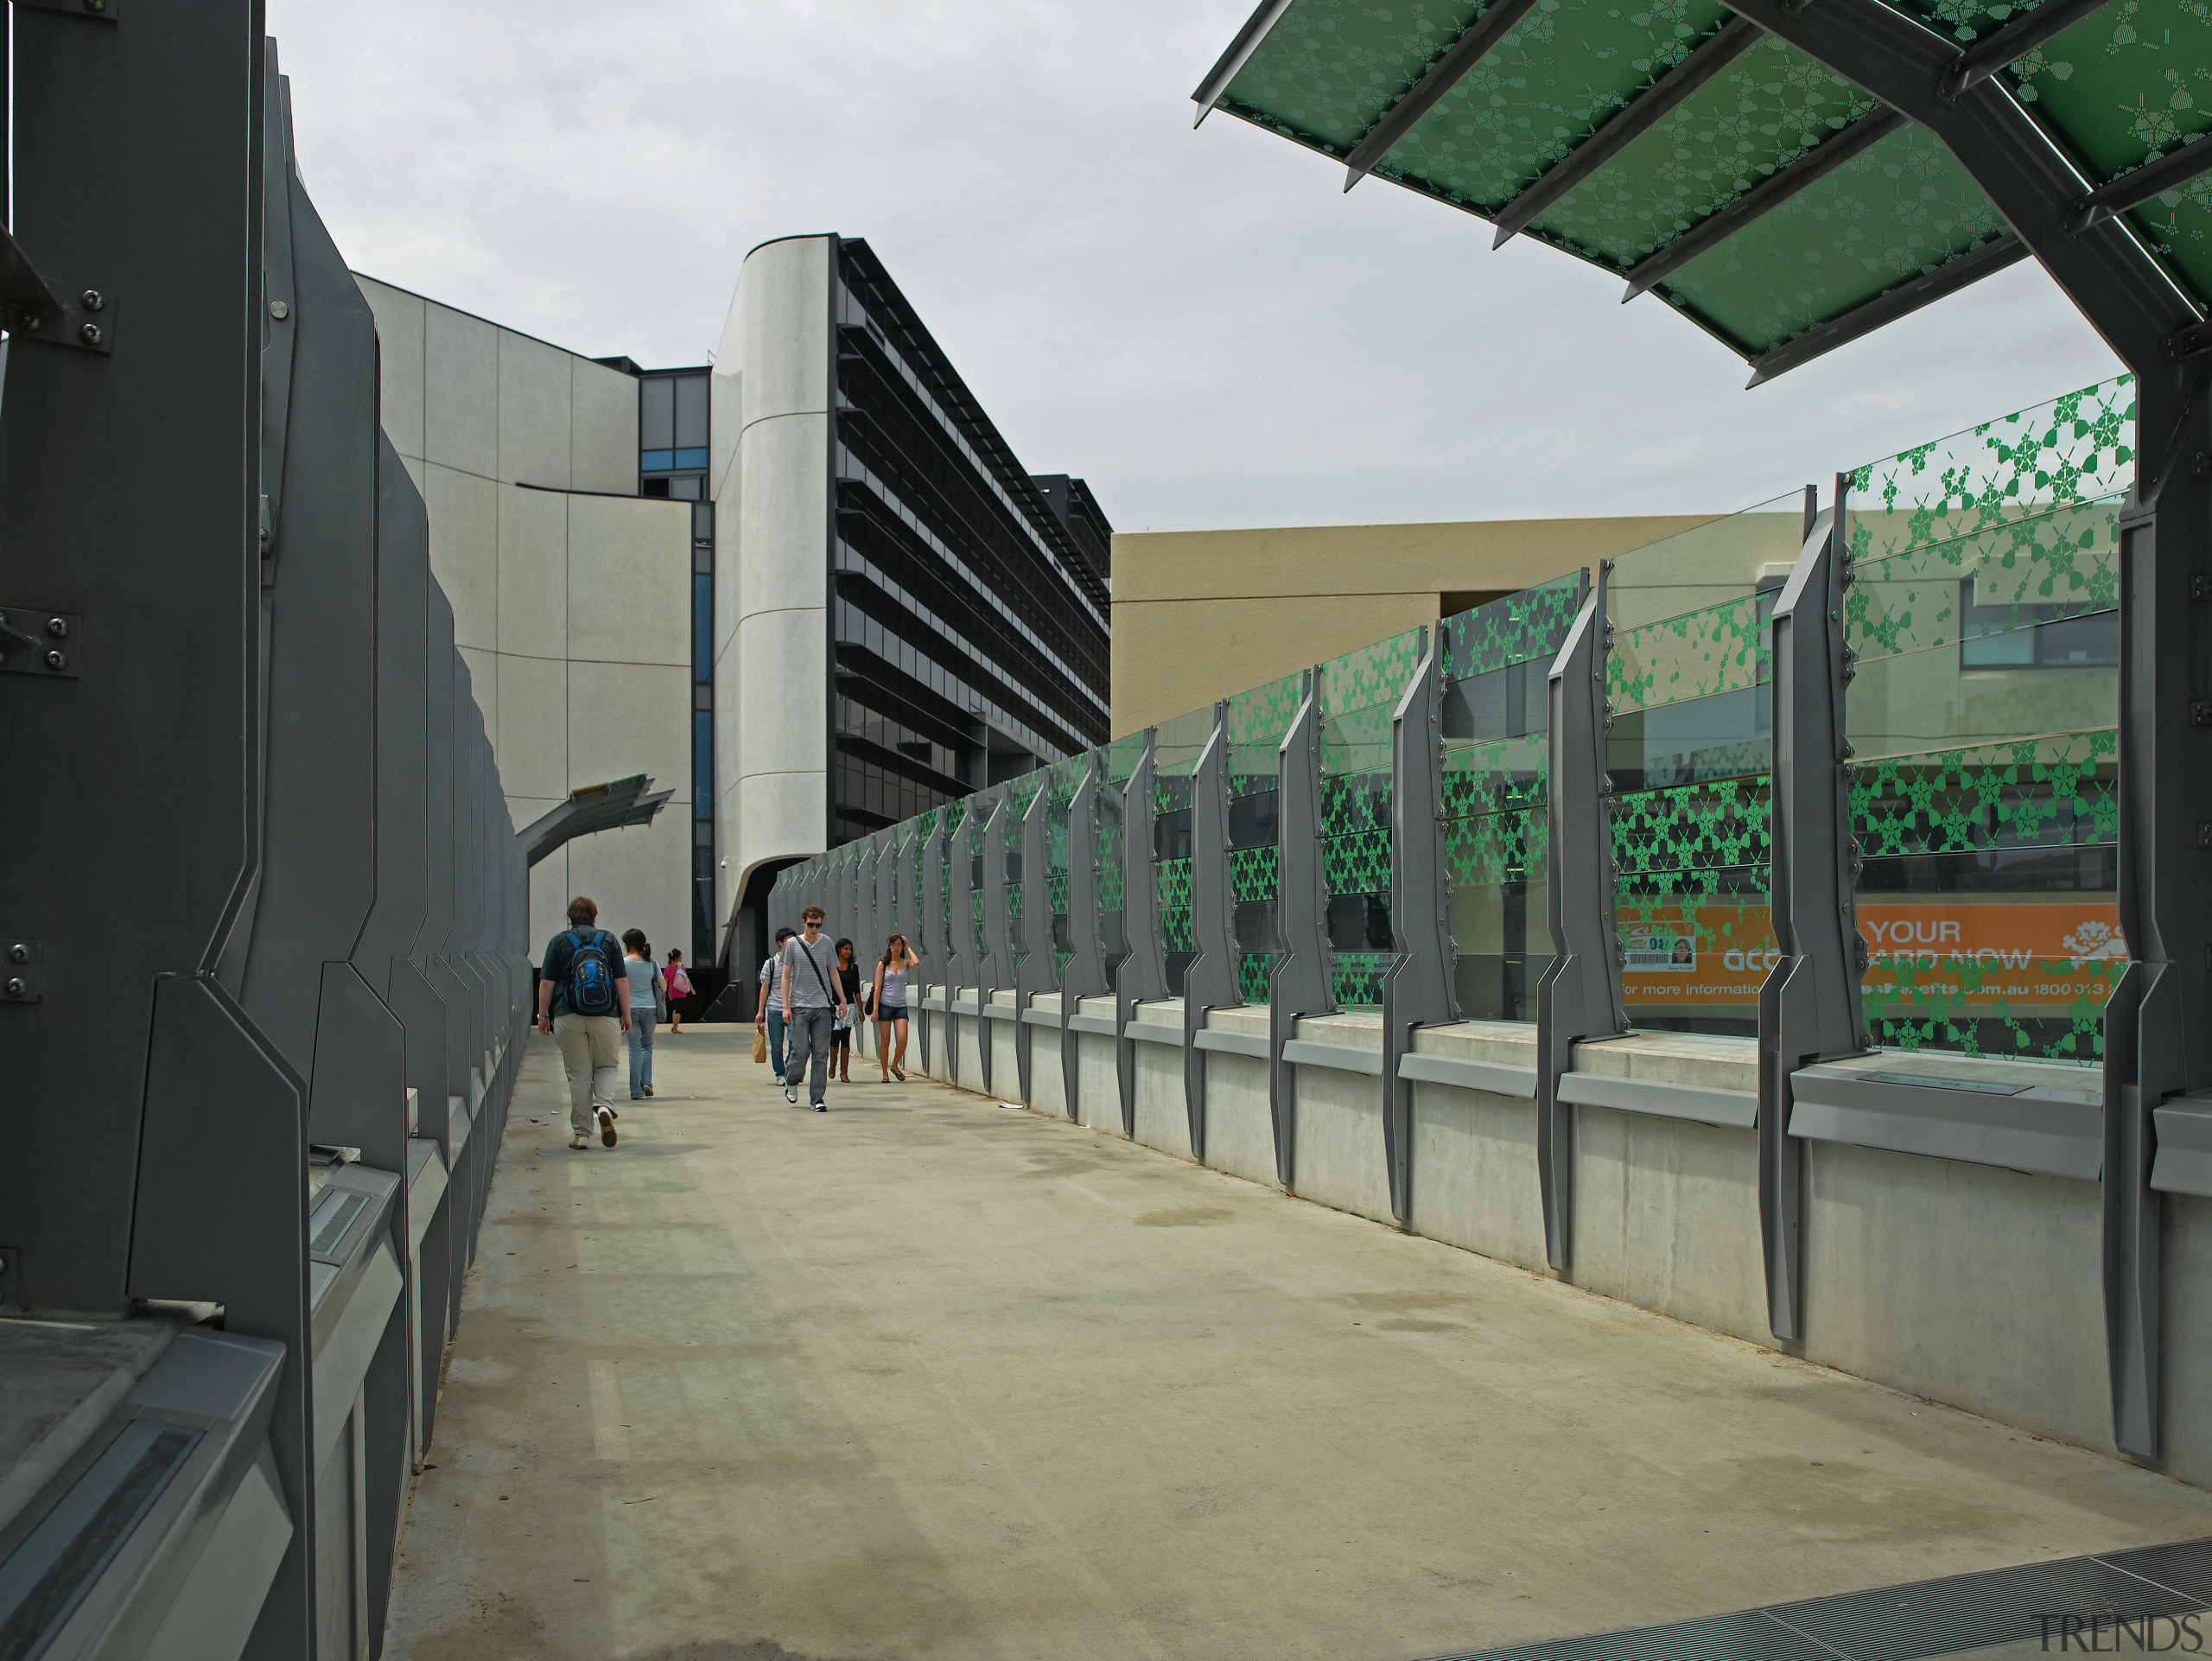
(791,1092)
(580,1140)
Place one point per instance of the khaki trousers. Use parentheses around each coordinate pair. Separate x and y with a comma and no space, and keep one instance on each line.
(590,1046)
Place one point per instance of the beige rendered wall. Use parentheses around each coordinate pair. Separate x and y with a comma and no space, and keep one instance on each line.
(572,609)
(1200,615)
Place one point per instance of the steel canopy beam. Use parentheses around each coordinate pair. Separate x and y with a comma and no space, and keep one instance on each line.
(1232,63)
(1762,198)
(2169,172)
(1991,258)
(1440,77)
(1629,122)
(2104,270)
(2015,39)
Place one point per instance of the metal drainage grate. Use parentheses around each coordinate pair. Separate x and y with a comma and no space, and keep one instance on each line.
(1920,1621)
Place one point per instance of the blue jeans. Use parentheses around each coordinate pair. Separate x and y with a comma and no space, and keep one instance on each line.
(641,1052)
(776,1042)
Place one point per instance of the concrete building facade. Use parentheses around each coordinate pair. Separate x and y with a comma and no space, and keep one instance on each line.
(571,593)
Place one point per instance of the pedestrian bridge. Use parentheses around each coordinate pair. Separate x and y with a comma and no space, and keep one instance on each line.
(929,1377)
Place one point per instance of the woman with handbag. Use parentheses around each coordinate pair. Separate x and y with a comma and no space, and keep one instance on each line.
(887,1001)
(848,1018)
(678,987)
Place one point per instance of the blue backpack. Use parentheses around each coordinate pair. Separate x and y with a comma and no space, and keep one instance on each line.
(591,975)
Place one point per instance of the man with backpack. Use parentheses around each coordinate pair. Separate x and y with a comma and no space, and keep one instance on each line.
(583,1003)
(812,991)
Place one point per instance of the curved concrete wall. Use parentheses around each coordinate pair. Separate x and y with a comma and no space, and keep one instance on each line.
(772,667)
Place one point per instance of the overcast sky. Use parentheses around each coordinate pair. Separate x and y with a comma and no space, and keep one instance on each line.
(1199,322)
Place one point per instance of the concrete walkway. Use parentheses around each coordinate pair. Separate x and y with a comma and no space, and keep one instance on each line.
(926,1377)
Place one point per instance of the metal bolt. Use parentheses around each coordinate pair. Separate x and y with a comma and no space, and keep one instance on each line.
(279,310)
(15,986)
(94,300)
(19,953)
(32,319)
(90,334)
(55,660)
(96,7)
(58,627)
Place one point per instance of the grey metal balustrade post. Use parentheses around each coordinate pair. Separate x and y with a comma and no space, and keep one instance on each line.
(1810,1006)
(1417,988)
(1033,970)
(1299,983)
(1579,995)
(1209,982)
(991,900)
(1085,974)
(932,939)
(1142,977)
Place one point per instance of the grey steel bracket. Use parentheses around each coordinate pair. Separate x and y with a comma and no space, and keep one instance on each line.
(55,313)
(1142,977)
(1810,1007)
(37,641)
(22,971)
(1417,988)
(1085,974)
(1210,981)
(1033,970)
(989,902)
(1578,997)
(1299,983)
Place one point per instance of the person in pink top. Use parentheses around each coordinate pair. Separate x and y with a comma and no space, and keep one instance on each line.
(678,986)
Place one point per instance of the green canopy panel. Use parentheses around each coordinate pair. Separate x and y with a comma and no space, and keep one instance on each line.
(1801,197)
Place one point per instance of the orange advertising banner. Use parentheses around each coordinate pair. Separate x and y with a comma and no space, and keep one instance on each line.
(2022,954)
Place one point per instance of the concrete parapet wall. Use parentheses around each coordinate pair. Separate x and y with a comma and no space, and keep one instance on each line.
(1972,1285)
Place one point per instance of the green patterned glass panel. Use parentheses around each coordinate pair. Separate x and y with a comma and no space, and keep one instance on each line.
(1253,968)
(1689,682)
(2061,563)
(2126,86)
(1177,746)
(1110,870)
(1255,724)
(1123,757)
(1984,713)
(1356,978)
(1062,780)
(1497,660)
(1022,790)
(1895,212)
(1988,896)
(1173,877)
(2074,448)
(1359,693)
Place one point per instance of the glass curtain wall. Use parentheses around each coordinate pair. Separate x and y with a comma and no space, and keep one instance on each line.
(1359,694)
(1496,668)
(1177,746)
(1258,721)
(1690,749)
(1984,716)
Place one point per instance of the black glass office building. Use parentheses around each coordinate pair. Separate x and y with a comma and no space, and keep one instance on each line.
(968,616)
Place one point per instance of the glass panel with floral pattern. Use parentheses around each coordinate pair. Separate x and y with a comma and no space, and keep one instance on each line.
(1255,724)
(1688,750)
(1176,747)
(1983,717)
(1496,661)
(1062,779)
(1359,695)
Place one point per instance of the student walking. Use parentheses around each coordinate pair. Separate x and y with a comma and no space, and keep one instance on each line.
(890,1004)
(678,989)
(584,1004)
(848,1017)
(770,1014)
(646,1009)
(813,997)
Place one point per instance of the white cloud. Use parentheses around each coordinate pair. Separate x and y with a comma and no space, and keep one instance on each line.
(1200,323)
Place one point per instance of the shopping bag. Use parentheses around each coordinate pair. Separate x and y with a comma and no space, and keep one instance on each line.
(759,1046)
